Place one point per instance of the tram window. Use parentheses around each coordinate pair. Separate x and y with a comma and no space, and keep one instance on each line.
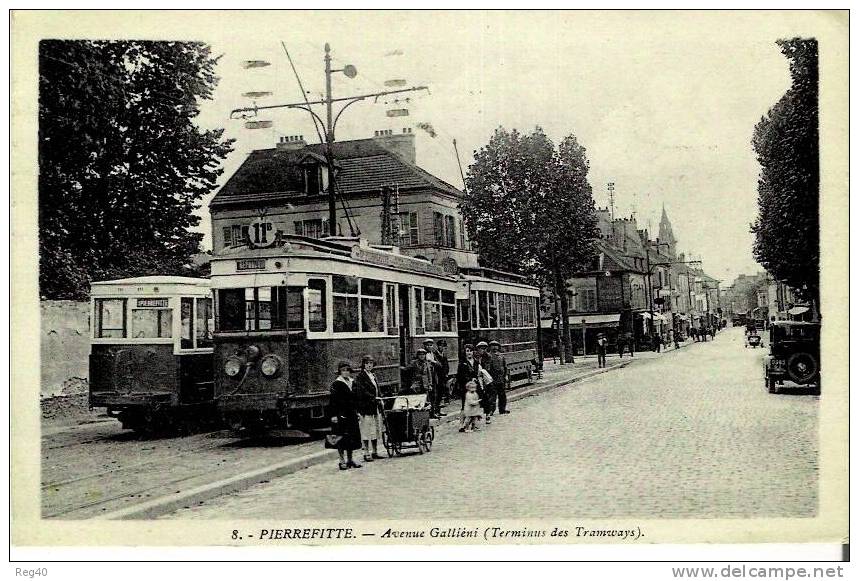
(294,307)
(432,316)
(345,314)
(372,315)
(431,294)
(448,297)
(205,323)
(316,312)
(110,318)
(391,306)
(231,309)
(250,310)
(483,310)
(504,310)
(264,301)
(493,311)
(370,287)
(448,318)
(345,284)
(151,323)
(474,319)
(464,310)
(186,340)
(419,311)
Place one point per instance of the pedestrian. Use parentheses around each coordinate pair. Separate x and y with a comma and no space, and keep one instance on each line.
(343,405)
(437,379)
(657,342)
(487,381)
(497,368)
(630,344)
(370,422)
(601,347)
(471,410)
(621,345)
(467,370)
(676,340)
(713,332)
(444,370)
(420,373)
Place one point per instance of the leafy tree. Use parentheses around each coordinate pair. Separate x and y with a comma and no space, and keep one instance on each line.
(787,230)
(529,209)
(122,166)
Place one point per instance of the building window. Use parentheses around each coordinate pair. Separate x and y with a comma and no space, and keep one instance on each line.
(589,299)
(461,235)
(315,179)
(408,228)
(110,318)
(438,228)
(235,235)
(314,228)
(450,231)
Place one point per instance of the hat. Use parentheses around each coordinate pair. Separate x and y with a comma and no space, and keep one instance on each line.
(419,351)
(491,343)
(344,364)
(483,344)
(428,341)
(600,334)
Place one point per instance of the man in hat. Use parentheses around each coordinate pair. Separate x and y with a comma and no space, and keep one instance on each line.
(444,369)
(435,367)
(602,342)
(497,368)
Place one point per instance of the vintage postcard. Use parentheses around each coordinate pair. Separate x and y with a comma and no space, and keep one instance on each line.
(335,278)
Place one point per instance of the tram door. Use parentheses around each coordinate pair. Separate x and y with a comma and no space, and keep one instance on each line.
(405,324)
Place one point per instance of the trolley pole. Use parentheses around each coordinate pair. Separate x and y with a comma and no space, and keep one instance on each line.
(329,124)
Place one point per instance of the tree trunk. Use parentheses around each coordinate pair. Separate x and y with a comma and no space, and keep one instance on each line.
(556,292)
(565,316)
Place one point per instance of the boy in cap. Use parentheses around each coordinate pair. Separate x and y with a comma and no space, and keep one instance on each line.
(497,368)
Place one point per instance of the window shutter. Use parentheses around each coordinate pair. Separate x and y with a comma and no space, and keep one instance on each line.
(228,238)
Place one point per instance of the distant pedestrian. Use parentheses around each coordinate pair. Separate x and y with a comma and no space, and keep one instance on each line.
(621,345)
(471,408)
(601,347)
(421,376)
(343,406)
(630,344)
(443,369)
(435,396)
(467,370)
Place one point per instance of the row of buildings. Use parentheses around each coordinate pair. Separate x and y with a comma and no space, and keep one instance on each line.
(760,297)
(636,285)
(638,288)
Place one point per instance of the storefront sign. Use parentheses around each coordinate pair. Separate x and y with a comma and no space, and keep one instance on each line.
(251,264)
(154,303)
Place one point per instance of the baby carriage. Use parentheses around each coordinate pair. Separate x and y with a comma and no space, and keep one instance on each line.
(407,424)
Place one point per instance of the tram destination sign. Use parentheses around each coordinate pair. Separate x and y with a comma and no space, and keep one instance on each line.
(153,303)
(251,264)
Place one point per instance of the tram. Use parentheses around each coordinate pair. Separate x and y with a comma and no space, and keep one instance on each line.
(287,314)
(500,306)
(151,349)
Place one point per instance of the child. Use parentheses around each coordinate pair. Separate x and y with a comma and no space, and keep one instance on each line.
(472,411)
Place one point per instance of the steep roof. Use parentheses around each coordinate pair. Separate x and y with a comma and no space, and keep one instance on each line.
(363,165)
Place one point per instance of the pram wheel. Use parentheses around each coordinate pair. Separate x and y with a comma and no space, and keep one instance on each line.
(429,436)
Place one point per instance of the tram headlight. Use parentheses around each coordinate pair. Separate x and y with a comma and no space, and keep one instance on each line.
(232,366)
(270,365)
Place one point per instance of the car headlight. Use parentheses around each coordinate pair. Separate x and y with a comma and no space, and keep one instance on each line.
(270,365)
(232,366)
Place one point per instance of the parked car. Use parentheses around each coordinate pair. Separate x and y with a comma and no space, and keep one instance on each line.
(794,355)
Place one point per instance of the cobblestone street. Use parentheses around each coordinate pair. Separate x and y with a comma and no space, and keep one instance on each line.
(689,433)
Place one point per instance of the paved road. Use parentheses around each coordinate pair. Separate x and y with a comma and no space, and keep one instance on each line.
(690,433)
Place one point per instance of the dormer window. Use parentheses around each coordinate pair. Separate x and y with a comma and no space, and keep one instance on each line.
(315,179)
(315,171)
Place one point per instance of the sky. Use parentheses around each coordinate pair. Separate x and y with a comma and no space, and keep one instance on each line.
(665,103)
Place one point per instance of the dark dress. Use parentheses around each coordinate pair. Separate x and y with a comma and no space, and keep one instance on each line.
(465,373)
(344,406)
(366,393)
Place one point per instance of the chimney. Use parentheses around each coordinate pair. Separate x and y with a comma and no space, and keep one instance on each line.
(403,144)
(291,142)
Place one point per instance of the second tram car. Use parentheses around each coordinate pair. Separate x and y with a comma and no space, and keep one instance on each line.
(286,315)
(151,350)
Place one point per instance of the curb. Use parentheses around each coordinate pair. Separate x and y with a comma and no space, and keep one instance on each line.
(167,504)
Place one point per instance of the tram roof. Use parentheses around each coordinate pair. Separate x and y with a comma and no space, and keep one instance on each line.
(156,279)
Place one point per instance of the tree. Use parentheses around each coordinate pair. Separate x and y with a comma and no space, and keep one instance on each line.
(122,166)
(787,230)
(529,209)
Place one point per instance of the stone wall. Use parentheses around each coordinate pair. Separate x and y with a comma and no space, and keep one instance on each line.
(64,342)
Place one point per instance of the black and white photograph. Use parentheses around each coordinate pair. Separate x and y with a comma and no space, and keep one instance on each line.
(429,277)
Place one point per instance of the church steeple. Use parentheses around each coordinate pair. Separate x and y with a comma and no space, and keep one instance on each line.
(666,234)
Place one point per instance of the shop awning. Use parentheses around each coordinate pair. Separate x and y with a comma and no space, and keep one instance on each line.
(606,320)
(798,310)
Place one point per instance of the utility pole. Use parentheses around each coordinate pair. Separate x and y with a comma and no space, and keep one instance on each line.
(329,124)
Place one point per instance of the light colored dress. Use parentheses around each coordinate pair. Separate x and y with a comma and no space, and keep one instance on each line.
(371,427)
(472,407)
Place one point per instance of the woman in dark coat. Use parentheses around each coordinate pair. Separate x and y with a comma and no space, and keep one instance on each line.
(343,407)
(468,370)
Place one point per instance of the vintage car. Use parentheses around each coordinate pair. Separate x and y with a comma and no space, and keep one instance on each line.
(794,355)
